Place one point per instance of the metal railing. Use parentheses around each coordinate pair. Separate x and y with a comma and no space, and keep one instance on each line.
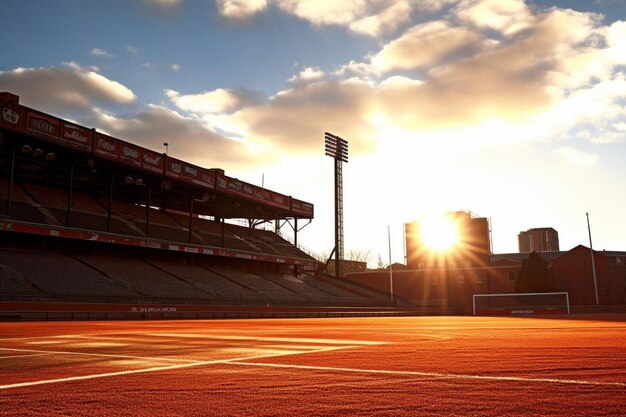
(303,248)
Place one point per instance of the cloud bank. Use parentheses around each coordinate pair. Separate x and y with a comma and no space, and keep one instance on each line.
(480,73)
(82,94)
(536,74)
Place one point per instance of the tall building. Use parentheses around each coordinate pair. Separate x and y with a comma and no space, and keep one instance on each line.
(470,246)
(541,239)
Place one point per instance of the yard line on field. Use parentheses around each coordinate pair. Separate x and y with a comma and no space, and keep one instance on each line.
(23,356)
(63,336)
(405,334)
(436,374)
(163,368)
(218,337)
(269,339)
(103,355)
(432,336)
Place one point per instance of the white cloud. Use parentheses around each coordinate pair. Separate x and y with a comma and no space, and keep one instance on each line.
(90,99)
(189,138)
(308,74)
(442,85)
(536,82)
(578,158)
(367,17)
(505,16)
(597,105)
(615,133)
(165,4)
(101,52)
(604,137)
(616,40)
(293,120)
(216,101)
(132,49)
(175,67)
(240,9)
(424,46)
(385,22)
(326,12)
(65,88)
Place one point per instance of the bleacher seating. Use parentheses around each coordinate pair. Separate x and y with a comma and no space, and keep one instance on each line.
(39,204)
(86,212)
(41,273)
(263,247)
(294,284)
(176,234)
(87,221)
(211,227)
(124,227)
(47,197)
(59,274)
(87,204)
(13,282)
(23,207)
(260,285)
(142,277)
(28,212)
(18,194)
(126,210)
(350,289)
(50,274)
(208,282)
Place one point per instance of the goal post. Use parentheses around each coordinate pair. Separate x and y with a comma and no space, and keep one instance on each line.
(521,303)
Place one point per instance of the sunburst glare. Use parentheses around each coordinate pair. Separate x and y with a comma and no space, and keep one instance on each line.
(439,233)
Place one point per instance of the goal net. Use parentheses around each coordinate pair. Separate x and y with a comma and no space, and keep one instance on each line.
(521,303)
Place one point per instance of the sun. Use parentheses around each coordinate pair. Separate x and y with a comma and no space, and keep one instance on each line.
(439,233)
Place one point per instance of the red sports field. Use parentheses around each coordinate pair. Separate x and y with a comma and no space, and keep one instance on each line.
(465,366)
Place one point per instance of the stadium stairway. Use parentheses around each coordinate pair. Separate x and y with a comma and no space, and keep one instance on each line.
(28,208)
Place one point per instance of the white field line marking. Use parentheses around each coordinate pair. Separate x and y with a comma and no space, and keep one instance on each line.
(406,334)
(268,339)
(102,355)
(161,368)
(63,336)
(141,336)
(23,356)
(433,336)
(313,343)
(436,374)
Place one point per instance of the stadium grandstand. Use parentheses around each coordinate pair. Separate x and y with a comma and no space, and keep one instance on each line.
(87,219)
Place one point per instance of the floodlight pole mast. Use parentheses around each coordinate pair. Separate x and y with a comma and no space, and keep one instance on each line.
(337,148)
(338,218)
(390,265)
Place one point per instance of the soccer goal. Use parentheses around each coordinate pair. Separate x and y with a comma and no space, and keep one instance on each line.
(521,303)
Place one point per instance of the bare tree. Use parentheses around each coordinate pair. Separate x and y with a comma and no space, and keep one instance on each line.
(380,264)
(359,255)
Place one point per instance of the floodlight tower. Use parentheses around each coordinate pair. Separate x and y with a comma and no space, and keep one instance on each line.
(337,148)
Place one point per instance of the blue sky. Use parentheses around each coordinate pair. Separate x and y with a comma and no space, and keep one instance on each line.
(514,110)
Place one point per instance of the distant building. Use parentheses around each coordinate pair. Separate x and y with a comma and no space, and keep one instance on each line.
(450,289)
(472,249)
(542,239)
(347,266)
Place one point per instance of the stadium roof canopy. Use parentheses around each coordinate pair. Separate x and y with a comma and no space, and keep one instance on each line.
(46,150)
